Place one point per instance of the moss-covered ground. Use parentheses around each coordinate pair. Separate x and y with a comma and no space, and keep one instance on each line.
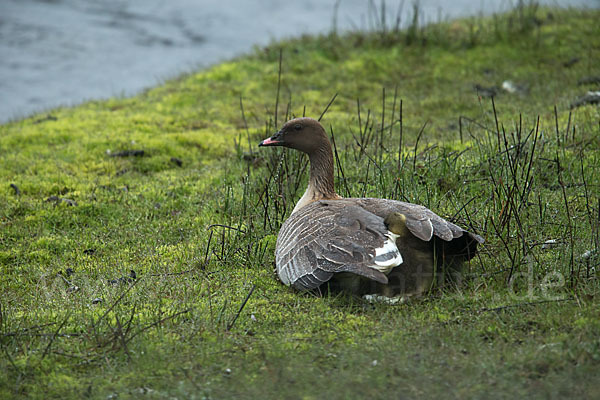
(132,231)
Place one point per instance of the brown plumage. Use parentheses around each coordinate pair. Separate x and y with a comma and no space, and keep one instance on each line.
(360,245)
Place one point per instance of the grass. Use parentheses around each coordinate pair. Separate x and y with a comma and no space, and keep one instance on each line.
(197,214)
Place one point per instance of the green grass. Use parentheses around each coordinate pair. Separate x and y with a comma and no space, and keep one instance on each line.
(201,235)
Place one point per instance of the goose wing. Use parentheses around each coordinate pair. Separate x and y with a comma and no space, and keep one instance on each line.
(327,237)
(420,221)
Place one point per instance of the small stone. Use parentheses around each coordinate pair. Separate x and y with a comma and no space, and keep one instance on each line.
(72,289)
(589,98)
(58,200)
(483,91)
(514,88)
(588,254)
(127,153)
(509,86)
(589,80)
(570,62)
(550,243)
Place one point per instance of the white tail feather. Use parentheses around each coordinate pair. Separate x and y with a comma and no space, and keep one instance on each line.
(388,256)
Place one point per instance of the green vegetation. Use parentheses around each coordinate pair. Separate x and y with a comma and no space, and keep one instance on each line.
(197,214)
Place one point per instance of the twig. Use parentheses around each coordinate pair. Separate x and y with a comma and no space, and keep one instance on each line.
(227,226)
(532,303)
(206,256)
(400,140)
(339,165)
(241,308)
(157,323)
(328,105)
(16,189)
(462,208)
(128,324)
(53,337)
(24,331)
(417,144)
(41,334)
(10,359)
(116,302)
(380,146)
(535,139)
(472,121)
(60,353)
(246,125)
(496,119)
(121,337)
(278,85)
(189,378)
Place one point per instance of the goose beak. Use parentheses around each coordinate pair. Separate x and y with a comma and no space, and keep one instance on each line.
(272,141)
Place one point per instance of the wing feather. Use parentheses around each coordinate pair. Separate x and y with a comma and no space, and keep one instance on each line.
(327,237)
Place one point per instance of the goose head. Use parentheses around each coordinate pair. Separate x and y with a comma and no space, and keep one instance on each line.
(308,136)
(303,134)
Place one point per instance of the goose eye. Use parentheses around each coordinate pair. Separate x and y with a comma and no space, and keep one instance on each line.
(297,127)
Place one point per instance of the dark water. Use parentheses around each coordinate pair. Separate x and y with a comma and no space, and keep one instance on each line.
(62,52)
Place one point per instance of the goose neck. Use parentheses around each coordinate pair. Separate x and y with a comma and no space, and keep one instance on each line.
(321,173)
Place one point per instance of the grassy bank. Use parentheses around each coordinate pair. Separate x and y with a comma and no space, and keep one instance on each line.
(137,234)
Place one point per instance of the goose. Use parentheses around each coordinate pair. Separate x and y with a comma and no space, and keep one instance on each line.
(364,246)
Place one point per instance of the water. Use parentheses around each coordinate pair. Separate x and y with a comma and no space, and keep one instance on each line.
(63,52)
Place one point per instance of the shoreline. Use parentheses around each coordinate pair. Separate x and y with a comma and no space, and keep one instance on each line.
(122,50)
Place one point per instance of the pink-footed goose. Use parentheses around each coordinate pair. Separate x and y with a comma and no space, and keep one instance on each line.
(362,245)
